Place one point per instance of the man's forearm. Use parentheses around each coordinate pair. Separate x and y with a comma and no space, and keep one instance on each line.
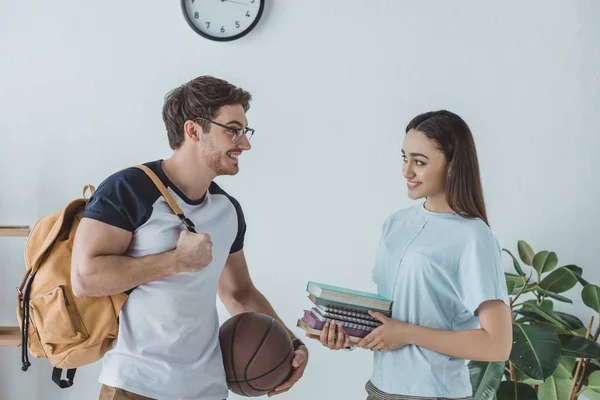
(253,301)
(106,275)
(475,344)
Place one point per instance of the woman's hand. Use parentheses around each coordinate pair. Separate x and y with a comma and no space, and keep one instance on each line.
(330,339)
(390,335)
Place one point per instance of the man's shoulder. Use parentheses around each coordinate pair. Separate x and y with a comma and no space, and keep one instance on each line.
(214,188)
(125,198)
(132,176)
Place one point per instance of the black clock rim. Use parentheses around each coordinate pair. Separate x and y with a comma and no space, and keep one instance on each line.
(221,39)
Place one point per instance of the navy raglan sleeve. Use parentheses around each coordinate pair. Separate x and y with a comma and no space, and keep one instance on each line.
(238,243)
(122,200)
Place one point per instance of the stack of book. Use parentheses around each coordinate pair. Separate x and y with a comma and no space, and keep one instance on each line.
(350,307)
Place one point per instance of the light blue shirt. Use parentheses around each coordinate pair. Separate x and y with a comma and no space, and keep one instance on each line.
(437,268)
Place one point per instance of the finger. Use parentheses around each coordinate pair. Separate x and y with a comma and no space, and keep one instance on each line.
(331,338)
(380,346)
(287,384)
(311,336)
(366,340)
(374,343)
(379,316)
(298,360)
(324,334)
(339,341)
(346,340)
(275,393)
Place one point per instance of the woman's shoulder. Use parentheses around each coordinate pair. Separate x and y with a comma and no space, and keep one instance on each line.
(475,227)
(476,235)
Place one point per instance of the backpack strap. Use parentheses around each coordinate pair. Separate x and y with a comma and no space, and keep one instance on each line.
(25,287)
(62,383)
(167,196)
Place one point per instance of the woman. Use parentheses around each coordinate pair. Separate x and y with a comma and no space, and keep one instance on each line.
(440,264)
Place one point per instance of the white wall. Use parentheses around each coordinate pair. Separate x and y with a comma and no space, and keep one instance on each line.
(334,84)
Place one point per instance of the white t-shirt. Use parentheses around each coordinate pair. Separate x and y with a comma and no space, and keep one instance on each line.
(168,343)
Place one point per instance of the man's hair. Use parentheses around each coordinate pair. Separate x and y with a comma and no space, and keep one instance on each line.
(200,97)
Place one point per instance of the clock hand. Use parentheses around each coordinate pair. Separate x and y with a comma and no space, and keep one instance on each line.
(232,1)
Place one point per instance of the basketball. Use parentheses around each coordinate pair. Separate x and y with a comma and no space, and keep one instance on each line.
(257,353)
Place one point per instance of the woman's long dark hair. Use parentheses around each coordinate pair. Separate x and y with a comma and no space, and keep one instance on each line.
(453,137)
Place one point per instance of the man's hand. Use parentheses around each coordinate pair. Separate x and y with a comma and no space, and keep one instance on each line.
(193,252)
(391,335)
(299,364)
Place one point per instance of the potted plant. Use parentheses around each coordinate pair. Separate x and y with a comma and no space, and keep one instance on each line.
(554,354)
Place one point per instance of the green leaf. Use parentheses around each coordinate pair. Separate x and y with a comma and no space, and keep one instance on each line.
(577,346)
(546,304)
(565,368)
(578,273)
(533,318)
(515,391)
(520,376)
(516,264)
(545,261)
(530,287)
(514,283)
(573,322)
(576,270)
(559,281)
(525,252)
(591,394)
(555,389)
(591,297)
(547,315)
(485,378)
(535,351)
(592,390)
(530,316)
(553,295)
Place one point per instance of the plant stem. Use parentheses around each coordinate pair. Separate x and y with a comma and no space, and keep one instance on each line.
(513,372)
(576,377)
(586,362)
(520,292)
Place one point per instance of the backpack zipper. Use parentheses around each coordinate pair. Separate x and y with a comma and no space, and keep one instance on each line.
(64,294)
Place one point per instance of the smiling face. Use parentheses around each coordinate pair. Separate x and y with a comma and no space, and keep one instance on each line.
(424,167)
(216,146)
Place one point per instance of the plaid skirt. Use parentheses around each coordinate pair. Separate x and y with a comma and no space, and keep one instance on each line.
(376,394)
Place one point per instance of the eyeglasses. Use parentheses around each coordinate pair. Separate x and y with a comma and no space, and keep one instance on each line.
(237,133)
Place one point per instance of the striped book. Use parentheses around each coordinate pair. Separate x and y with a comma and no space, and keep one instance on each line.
(344,310)
(357,318)
(351,328)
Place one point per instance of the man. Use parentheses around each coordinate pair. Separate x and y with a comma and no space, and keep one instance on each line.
(129,240)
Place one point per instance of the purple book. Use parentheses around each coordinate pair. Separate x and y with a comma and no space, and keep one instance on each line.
(352,329)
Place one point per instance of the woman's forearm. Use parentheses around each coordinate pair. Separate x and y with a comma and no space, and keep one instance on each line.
(475,344)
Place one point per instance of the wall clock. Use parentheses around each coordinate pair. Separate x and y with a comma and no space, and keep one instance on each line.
(222,20)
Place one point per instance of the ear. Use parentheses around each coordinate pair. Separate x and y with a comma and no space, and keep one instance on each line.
(191,131)
(449,169)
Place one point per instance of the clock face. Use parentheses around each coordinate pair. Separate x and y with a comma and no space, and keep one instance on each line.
(222,20)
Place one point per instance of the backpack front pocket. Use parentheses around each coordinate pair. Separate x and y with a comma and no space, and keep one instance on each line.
(58,323)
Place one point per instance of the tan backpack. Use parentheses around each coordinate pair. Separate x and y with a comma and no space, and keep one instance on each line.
(70,331)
